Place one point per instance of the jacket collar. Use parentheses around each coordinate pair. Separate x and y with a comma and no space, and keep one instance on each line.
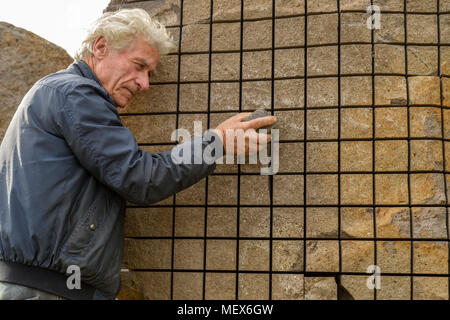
(82,68)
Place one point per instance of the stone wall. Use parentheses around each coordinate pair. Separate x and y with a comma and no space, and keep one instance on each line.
(24,59)
(364,154)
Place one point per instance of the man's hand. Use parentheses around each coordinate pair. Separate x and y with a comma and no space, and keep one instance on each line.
(236,129)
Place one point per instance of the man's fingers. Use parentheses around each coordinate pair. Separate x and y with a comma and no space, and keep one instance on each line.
(260,122)
(242,116)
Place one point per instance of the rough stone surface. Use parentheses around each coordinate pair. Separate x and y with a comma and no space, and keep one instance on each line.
(24,59)
(338,155)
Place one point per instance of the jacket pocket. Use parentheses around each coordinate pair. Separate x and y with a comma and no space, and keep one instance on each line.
(84,231)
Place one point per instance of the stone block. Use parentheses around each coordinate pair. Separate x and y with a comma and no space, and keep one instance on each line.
(426,155)
(393,222)
(288,190)
(222,222)
(174,32)
(425,122)
(187,121)
(424,90)
(257,35)
(254,9)
(430,257)
(224,96)
(429,222)
(356,222)
(322,222)
(391,122)
(287,255)
(289,93)
(291,157)
(357,287)
(444,6)
(145,286)
(322,156)
(322,189)
(160,98)
(166,71)
(356,123)
(226,36)
(354,28)
(187,286)
(391,188)
(188,254)
(423,60)
(354,4)
(322,61)
(220,254)
(256,65)
(253,286)
(389,5)
(322,6)
(445,58)
(254,255)
(322,256)
(256,95)
(391,155)
(222,190)
(421,5)
(394,256)
(447,156)
(446,94)
(287,287)
(393,30)
(220,286)
(194,195)
(196,11)
(147,254)
(224,10)
(289,7)
(356,91)
(357,256)
(444,28)
(394,288)
(288,62)
(356,59)
(390,90)
(422,28)
(356,156)
(290,32)
(195,38)
(322,124)
(195,67)
(322,29)
(194,97)
(322,92)
(148,222)
(151,128)
(320,288)
(356,189)
(291,124)
(287,222)
(390,58)
(189,222)
(254,222)
(430,288)
(427,188)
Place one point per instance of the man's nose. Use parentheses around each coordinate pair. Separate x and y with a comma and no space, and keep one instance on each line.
(144,82)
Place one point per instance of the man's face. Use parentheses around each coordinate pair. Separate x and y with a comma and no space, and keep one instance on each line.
(125,73)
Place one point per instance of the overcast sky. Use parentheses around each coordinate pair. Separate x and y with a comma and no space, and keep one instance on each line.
(63,22)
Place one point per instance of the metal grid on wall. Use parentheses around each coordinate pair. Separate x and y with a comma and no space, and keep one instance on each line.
(244,274)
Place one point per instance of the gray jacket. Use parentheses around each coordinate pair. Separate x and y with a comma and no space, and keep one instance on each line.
(66,166)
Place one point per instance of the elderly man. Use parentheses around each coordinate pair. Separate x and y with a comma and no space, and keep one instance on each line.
(67,165)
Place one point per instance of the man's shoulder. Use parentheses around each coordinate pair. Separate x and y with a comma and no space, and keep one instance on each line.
(67,81)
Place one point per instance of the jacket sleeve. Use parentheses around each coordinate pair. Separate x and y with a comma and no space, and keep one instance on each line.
(109,151)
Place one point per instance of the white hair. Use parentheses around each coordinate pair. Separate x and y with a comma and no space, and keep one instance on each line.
(120,29)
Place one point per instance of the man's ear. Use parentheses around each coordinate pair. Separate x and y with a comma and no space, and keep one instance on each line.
(100,48)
